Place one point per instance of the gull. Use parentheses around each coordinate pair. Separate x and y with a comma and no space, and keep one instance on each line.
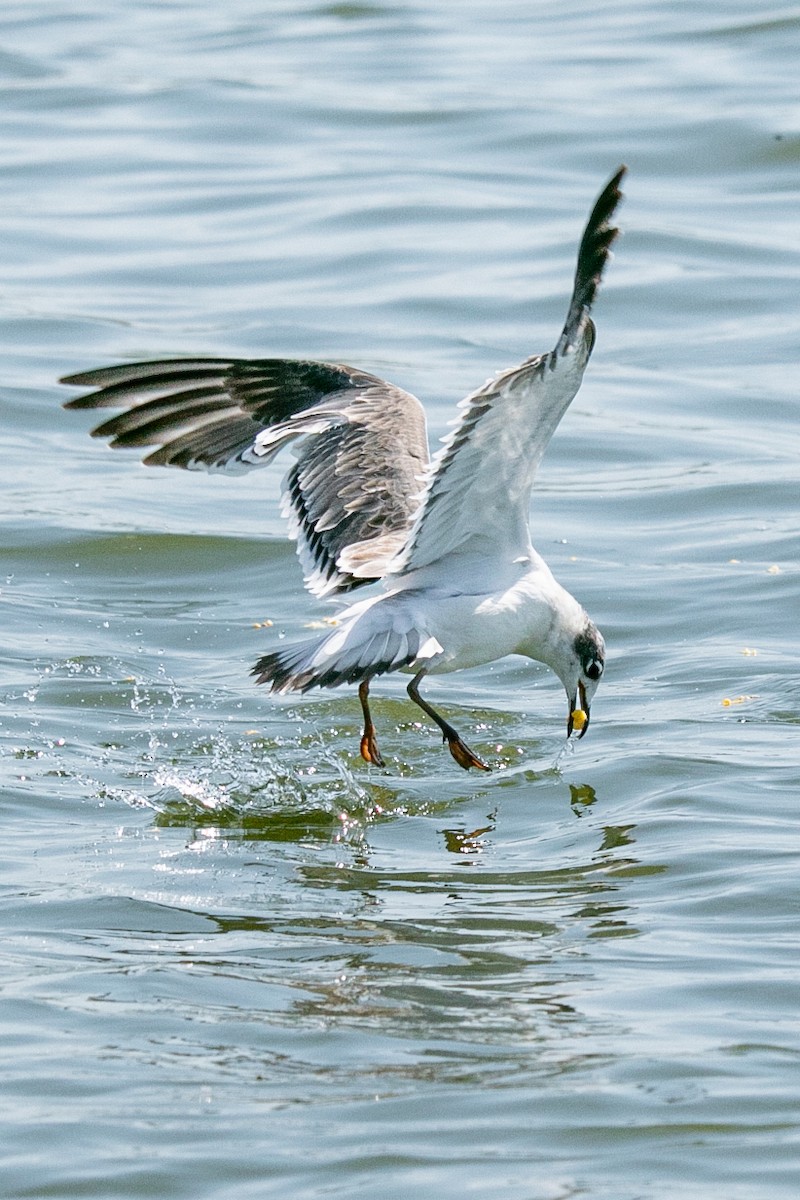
(447,536)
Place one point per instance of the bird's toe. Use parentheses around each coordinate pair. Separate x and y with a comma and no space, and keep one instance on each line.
(465,757)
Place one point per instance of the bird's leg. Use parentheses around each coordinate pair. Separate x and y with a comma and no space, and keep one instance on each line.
(460,751)
(369,743)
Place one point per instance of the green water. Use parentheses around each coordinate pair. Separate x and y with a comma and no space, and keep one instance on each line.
(236,962)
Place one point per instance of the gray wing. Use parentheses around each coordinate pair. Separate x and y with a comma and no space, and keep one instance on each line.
(478,496)
(354,489)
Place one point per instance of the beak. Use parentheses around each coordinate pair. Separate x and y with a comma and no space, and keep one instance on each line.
(578,719)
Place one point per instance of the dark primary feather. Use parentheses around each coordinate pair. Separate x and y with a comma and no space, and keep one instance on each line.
(181,405)
(351,495)
(593,254)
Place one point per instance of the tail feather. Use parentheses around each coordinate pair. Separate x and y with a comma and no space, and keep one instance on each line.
(342,656)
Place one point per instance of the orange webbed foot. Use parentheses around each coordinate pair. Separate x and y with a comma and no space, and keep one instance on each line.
(465,757)
(369,749)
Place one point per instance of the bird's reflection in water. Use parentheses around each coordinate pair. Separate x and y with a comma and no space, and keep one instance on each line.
(581,797)
(467,843)
(596,882)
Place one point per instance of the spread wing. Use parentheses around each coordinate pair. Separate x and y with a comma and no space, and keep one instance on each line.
(354,489)
(478,495)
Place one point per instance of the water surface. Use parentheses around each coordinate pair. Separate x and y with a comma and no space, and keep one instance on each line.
(236,962)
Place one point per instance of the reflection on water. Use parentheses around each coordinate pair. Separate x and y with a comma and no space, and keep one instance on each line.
(582,796)
(468,843)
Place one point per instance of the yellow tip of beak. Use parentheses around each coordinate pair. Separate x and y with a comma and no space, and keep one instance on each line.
(579,719)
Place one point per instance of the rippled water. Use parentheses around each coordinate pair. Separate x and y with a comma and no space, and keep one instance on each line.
(236,962)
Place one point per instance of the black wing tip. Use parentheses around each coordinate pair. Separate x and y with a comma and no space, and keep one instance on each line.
(100,377)
(609,198)
(88,400)
(614,182)
(114,385)
(599,236)
(594,252)
(77,379)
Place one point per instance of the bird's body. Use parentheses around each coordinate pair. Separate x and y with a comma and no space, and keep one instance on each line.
(448,538)
(514,609)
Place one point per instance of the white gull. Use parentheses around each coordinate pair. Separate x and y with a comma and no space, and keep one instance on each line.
(448,537)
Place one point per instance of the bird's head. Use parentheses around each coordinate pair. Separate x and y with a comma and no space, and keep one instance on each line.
(580,671)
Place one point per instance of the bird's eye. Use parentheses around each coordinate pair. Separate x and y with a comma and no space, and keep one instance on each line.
(593,669)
